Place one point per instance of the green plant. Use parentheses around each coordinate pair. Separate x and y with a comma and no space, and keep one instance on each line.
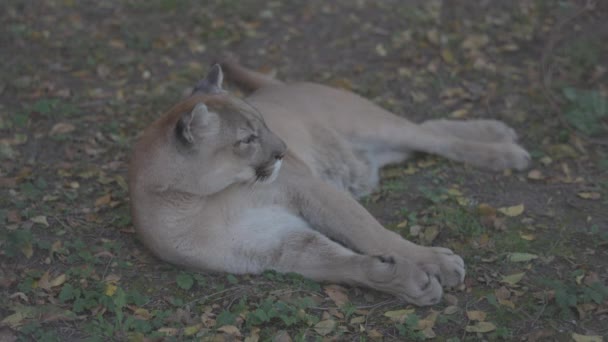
(586,110)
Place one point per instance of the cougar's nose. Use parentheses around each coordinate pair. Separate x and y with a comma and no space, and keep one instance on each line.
(280,152)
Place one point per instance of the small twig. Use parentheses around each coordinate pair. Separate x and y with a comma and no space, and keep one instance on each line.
(545,73)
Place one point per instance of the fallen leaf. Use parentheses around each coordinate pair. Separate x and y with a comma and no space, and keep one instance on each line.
(381,50)
(450,310)
(110,289)
(59,280)
(527,237)
(430,233)
(447,56)
(535,175)
(586,338)
(168,331)
(476,315)
(486,210)
(337,294)
(103,200)
(27,249)
(521,257)
(399,315)
(480,327)
(512,211)
(193,329)
(589,195)
(459,113)
(15,320)
(513,278)
(40,220)
(357,320)
(325,327)
(62,128)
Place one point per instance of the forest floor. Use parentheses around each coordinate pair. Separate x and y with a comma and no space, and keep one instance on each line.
(80,79)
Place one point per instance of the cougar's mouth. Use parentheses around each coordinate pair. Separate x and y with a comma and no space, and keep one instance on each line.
(268,173)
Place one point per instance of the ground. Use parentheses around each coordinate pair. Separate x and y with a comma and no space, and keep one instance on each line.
(80,79)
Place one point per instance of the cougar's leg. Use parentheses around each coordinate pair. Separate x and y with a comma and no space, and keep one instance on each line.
(477,130)
(339,217)
(387,134)
(315,256)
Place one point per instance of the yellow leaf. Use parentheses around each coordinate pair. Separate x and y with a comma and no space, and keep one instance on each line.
(521,257)
(27,249)
(590,195)
(586,338)
(450,310)
(62,128)
(480,327)
(528,237)
(447,56)
(475,315)
(513,211)
(110,289)
(325,327)
(399,315)
(459,113)
(535,175)
(337,294)
(513,278)
(485,209)
(142,313)
(40,220)
(43,282)
(169,331)
(380,50)
(58,280)
(193,329)
(506,302)
(357,320)
(103,200)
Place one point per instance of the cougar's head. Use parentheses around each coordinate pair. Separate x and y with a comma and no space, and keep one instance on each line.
(208,142)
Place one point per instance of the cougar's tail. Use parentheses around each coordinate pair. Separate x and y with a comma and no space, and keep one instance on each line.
(246,78)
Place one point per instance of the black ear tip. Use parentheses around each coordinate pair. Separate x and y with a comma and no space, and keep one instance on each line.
(216,69)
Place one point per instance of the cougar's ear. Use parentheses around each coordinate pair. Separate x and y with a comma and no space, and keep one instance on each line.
(197,124)
(212,83)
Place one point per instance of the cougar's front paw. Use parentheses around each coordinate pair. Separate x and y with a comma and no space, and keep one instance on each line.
(405,279)
(496,131)
(501,157)
(442,263)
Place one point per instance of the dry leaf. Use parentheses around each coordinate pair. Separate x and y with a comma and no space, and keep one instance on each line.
(40,220)
(475,315)
(450,310)
(513,211)
(110,289)
(229,329)
(481,327)
(399,315)
(325,327)
(103,200)
(521,257)
(59,280)
(586,338)
(535,175)
(337,294)
(513,278)
(590,195)
(27,249)
(62,128)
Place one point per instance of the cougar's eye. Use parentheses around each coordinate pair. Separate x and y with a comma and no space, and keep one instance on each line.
(249,139)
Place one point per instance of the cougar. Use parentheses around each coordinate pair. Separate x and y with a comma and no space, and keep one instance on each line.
(269,182)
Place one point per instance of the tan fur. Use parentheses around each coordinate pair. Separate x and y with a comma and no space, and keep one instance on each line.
(198,200)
